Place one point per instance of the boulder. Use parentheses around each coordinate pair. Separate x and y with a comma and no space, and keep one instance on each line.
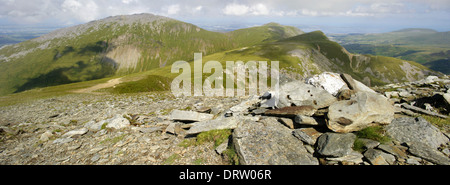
(335,144)
(297,93)
(362,110)
(416,130)
(268,142)
(117,122)
(331,82)
(189,116)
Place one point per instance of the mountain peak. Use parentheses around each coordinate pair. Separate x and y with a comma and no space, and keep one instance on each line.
(272,24)
(417,30)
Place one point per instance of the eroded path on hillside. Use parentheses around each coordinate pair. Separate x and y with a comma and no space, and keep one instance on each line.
(110,83)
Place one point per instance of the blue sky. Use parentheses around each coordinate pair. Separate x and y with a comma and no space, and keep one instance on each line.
(331,16)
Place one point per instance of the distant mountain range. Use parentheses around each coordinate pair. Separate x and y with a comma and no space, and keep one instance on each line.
(122,45)
(425,46)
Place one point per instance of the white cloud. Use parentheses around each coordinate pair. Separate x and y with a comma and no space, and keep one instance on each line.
(83,10)
(198,8)
(259,9)
(86,10)
(235,9)
(240,9)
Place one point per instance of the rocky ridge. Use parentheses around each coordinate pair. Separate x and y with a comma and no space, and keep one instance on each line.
(319,120)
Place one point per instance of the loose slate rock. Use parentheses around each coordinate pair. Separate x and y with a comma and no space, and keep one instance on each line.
(335,144)
(268,142)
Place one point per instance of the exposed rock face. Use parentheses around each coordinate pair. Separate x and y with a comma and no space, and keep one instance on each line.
(269,142)
(362,110)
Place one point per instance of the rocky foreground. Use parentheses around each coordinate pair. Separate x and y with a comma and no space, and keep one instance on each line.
(325,119)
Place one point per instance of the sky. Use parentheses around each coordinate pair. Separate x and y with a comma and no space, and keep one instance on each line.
(332,16)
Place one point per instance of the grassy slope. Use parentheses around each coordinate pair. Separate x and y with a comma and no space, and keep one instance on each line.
(159,79)
(83,58)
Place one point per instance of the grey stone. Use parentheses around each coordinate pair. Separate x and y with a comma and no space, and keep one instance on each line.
(243,107)
(46,136)
(62,140)
(349,81)
(216,124)
(72,133)
(117,122)
(305,120)
(413,160)
(393,150)
(94,126)
(368,143)
(287,122)
(335,144)
(300,94)
(416,130)
(362,110)
(268,142)
(307,135)
(171,128)
(222,147)
(375,157)
(426,152)
(353,157)
(147,130)
(189,116)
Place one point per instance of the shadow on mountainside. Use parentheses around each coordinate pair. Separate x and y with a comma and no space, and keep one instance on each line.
(82,71)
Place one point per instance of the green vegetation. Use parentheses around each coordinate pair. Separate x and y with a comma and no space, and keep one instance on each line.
(33,64)
(215,136)
(171,159)
(149,84)
(374,132)
(113,140)
(441,123)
